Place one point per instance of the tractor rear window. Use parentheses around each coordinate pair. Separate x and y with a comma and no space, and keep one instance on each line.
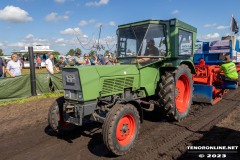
(185,42)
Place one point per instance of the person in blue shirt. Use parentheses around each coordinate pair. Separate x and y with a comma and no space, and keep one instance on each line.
(94,60)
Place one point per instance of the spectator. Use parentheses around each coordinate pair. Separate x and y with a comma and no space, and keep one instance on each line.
(78,59)
(102,60)
(39,61)
(94,60)
(71,60)
(14,66)
(109,60)
(50,65)
(86,59)
(61,64)
(44,57)
(2,68)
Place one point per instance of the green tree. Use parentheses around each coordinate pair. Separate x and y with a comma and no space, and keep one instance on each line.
(56,53)
(26,55)
(71,52)
(1,52)
(78,50)
(91,53)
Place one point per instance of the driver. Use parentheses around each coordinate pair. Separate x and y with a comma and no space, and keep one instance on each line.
(151,50)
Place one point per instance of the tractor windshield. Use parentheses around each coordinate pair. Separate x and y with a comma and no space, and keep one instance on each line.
(141,41)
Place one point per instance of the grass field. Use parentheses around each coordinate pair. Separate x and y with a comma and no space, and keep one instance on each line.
(26,71)
(24,100)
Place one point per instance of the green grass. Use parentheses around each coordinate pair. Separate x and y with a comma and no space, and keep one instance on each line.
(26,71)
(25,100)
(37,71)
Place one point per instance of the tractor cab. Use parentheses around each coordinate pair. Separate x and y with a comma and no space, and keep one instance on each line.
(150,41)
(142,43)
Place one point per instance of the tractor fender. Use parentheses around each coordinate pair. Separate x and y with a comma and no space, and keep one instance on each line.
(190,65)
(172,64)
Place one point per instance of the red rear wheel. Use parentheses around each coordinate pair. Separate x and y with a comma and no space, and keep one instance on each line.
(125,129)
(182,93)
(175,93)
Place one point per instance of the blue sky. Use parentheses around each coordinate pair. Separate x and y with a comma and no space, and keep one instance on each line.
(58,23)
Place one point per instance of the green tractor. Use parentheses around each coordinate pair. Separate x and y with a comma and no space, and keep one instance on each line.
(154,69)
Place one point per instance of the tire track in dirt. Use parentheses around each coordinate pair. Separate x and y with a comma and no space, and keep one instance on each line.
(207,118)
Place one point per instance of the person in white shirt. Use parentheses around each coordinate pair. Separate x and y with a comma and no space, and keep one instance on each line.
(14,66)
(50,65)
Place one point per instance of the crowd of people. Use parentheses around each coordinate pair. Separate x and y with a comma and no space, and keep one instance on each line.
(15,65)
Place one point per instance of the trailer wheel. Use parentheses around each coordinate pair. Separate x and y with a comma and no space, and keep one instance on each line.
(120,128)
(55,117)
(175,93)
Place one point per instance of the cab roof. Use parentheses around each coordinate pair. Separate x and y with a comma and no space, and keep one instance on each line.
(177,23)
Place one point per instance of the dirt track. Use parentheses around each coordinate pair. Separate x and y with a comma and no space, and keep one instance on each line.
(24,133)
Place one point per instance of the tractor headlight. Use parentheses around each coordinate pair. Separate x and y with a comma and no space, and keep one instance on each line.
(80,96)
(73,94)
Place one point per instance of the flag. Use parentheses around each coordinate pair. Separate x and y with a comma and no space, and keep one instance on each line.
(234,26)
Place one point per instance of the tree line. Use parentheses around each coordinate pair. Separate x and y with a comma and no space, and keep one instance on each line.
(71,52)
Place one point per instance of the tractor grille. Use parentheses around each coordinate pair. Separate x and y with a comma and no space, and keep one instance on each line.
(117,85)
(71,84)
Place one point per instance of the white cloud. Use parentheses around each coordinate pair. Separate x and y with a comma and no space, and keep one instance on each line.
(71,31)
(99,3)
(222,27)
(19,44)
(30,42)
(14,14)
(59,1)
(3,45)
(83,23)
(86,22)
(175,12)
(210,25)
(112,23)
(55,17)
(59,40)
(29,36)
(211,36)
(110,40)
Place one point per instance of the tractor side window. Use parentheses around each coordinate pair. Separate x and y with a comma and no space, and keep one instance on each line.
(185,42)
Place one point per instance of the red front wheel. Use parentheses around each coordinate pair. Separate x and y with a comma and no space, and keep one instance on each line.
(55,117)
(121,128)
